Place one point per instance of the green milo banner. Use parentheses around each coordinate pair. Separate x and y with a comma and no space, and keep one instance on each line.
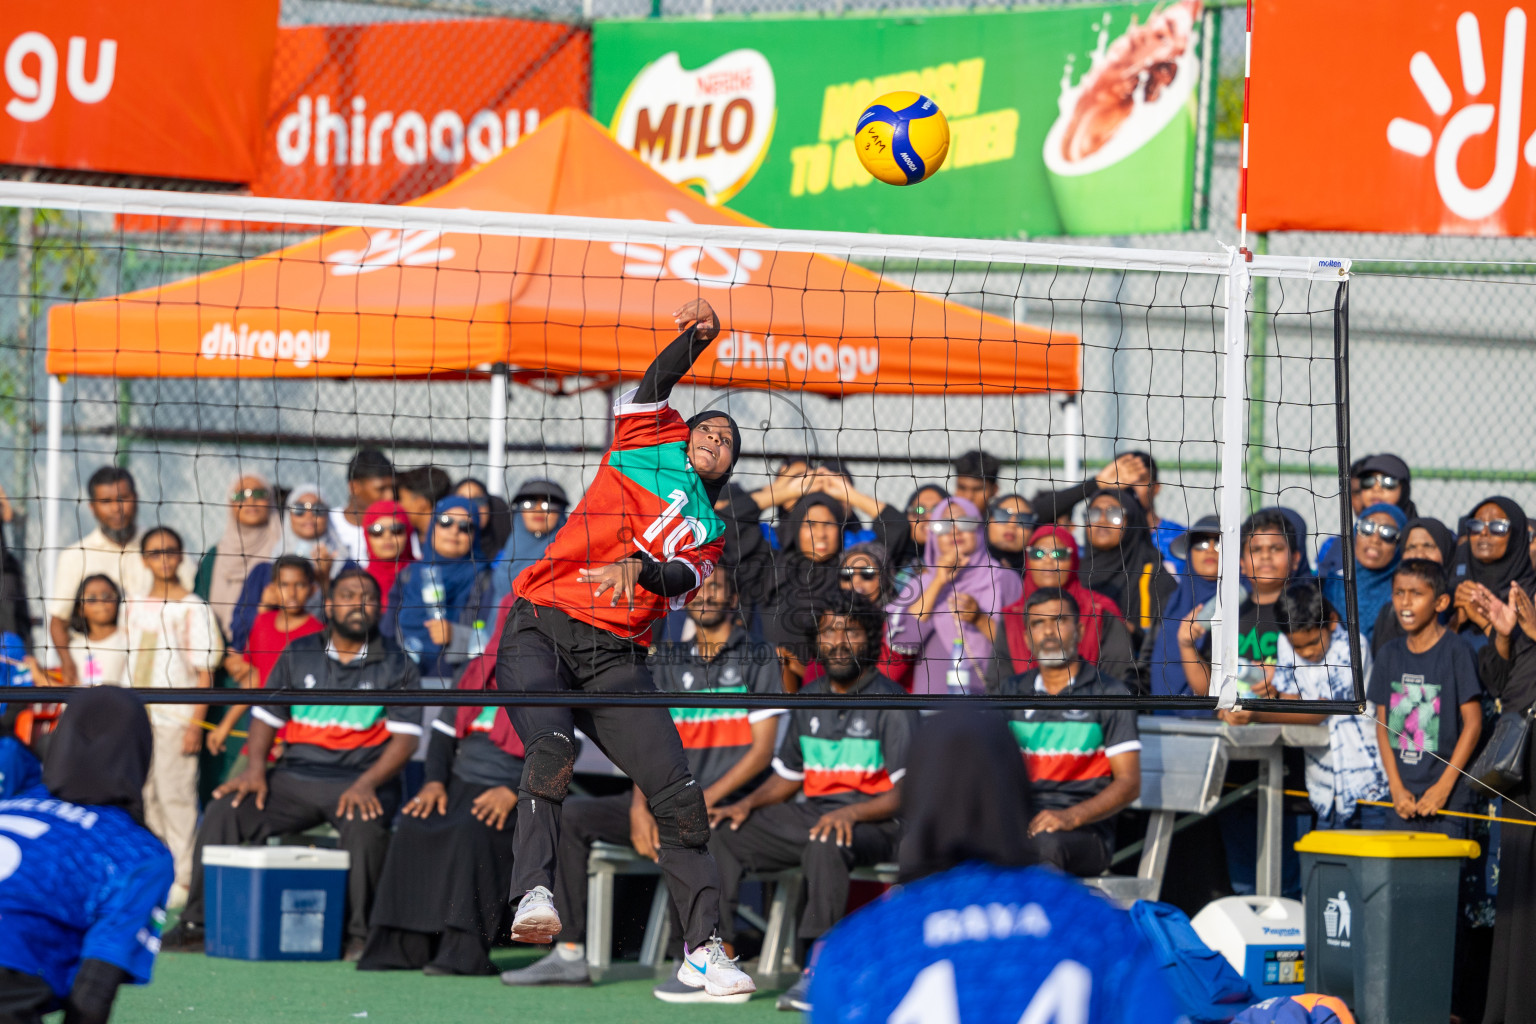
(1063,120)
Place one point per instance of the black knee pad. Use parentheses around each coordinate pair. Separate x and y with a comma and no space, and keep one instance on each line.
(681,816)
(547,766)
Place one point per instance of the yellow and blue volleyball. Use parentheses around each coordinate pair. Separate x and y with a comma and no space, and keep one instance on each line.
(902,138)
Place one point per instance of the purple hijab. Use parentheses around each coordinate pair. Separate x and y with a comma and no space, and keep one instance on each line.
(992,584)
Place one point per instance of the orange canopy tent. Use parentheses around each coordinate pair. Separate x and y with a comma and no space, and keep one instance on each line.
(361,302)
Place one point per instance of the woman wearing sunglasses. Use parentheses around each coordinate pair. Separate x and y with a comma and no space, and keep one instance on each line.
(1494,556)
(387,531)
(950,617)
(1123,563)
(1009,521)
(1051,560)
(1378,548)
(438,607)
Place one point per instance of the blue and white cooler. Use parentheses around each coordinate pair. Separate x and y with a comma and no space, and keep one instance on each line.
(275,902)
(1262,937)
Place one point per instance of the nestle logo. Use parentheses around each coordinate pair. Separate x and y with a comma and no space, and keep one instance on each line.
(717,82)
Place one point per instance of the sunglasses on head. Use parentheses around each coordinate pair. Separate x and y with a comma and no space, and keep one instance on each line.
(250,494)
(1382,480)
(1008,515)
(308,508)
(868,572)
(1054,554)
(396,529)
(1496,527)
(1112,516)
(1385,531)
(464,526)
(944,526)
(529,505)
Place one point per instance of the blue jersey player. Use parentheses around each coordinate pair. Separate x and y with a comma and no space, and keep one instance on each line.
(82,881)
(974,936)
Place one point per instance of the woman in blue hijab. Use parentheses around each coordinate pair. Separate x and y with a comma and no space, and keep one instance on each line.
(1378,549)
(437,606)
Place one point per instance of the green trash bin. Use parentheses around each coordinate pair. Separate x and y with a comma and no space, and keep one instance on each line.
(1381,921)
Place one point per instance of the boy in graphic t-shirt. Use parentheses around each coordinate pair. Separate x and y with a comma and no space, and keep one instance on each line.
(1425,689)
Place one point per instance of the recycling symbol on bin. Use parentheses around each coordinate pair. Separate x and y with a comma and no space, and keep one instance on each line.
(1336,917)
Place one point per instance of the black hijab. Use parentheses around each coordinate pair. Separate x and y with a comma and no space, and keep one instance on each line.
(1445,540)
(965,796)
(100,753)
(1514,567)
(713,488)
(1114,572)
(800,585)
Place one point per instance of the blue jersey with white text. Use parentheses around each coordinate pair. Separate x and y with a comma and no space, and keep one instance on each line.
(987,945)
(19,768)
(78,883)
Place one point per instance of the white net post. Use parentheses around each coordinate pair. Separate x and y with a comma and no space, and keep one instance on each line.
(1234,426)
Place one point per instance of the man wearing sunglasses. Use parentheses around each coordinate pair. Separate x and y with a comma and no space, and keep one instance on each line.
(644,537)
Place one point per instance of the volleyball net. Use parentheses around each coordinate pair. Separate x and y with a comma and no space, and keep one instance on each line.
(201,341)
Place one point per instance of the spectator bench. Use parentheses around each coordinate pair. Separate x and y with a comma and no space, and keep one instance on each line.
(607,861)
(1180,774)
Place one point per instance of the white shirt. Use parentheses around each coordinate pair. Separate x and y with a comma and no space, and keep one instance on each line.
(354,541)
(100,662)
(169,642)
(95,555)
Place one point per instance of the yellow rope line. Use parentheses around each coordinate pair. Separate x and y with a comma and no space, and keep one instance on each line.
(1448,814)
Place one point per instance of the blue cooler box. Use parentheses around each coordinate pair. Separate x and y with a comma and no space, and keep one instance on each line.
(275,902)
(1263,937)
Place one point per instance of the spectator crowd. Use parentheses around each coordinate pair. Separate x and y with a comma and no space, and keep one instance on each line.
(1085,591)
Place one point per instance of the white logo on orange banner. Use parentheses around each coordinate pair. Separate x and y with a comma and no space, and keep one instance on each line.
(708,127)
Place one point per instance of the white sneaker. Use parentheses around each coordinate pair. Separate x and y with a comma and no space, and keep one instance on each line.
(710,969)
(536,920)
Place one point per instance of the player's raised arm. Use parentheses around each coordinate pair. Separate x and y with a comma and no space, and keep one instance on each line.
(699,326)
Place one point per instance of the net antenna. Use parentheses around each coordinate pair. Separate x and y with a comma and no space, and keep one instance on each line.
(898,352)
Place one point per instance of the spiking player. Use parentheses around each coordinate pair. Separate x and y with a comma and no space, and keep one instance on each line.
(642,539)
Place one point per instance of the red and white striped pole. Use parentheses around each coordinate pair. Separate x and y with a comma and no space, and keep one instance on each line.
(1242,179)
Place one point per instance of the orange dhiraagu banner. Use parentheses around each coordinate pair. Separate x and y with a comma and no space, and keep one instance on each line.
(168,88)
(383,113)
(1408,116)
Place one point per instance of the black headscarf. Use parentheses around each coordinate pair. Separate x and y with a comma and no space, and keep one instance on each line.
(1514,567)
(800,585)
(713,488)
(1114,572)
(965,796)
(1392,465)
(100,753)
(1445,540)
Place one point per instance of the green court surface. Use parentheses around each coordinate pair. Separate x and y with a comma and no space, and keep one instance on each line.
(194,988)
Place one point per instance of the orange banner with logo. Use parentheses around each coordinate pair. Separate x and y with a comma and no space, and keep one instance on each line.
(384,113)
(166,88)
(1409,116)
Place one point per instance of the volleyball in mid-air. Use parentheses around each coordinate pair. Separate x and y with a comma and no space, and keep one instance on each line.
(902,138)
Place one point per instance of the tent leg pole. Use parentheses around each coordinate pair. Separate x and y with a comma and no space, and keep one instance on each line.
(1072,430)
(53,479)
(496,454)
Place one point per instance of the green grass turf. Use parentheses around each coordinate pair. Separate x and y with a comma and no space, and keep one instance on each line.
(206,990)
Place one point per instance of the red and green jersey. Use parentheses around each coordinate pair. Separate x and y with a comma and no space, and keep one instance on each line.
(714,739)
(1067,750)
(846,756)
(647,498)
(332,741)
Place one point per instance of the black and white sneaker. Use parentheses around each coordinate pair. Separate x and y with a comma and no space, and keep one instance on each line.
(674,991)
(797,996)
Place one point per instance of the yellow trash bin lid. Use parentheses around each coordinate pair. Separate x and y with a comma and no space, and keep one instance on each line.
(1389,845)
